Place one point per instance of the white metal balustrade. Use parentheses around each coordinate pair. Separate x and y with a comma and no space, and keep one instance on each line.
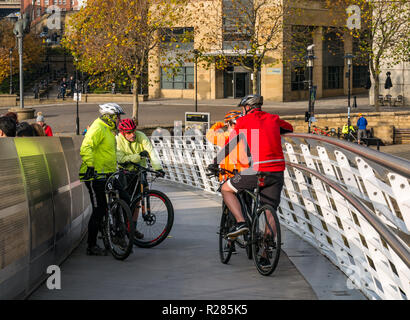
(350,202)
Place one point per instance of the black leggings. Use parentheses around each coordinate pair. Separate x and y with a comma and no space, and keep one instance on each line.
(99,204)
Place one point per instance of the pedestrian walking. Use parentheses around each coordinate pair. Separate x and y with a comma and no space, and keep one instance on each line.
(63,88)
(361,125)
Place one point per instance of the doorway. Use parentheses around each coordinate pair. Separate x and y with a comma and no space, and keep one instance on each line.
(236,84)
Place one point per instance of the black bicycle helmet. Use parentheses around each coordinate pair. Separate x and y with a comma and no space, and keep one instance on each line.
(252,100)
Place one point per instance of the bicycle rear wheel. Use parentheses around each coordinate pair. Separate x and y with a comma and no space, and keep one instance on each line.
(119,229)
(157,223)
(225,245)
(266,240)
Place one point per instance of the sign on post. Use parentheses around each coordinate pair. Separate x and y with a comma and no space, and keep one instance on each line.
(77,96)
(197,120)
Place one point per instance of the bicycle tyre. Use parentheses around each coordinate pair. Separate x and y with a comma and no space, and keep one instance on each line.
(261,243)
(227,222)
(119,226)
(155,236)
(248,246)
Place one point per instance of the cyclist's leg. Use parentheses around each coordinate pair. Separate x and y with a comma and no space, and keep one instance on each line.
(271,195)
(231,201)
(99,205)
(240,182)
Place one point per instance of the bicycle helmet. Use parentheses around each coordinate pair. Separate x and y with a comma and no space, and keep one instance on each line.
(127,125)
(252,100)
(232,115)
(111,108)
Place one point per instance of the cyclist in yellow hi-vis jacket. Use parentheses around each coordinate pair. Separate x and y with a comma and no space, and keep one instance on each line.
(98,152)
(134,146)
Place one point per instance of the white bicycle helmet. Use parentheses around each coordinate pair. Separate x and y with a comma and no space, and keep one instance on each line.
(111,108)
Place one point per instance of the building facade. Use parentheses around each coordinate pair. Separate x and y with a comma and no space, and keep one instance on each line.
(282,77)
(9,6)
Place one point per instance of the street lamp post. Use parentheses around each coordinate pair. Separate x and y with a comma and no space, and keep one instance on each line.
(20,46)
(310,58)
(77,119)
(11,70)
(349,60)
(196,52)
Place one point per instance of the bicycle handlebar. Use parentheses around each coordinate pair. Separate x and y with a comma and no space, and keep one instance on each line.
(123,164)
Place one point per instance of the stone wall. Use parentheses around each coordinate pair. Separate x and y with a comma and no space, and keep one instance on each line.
(94,97)
(381,122)
(8,100)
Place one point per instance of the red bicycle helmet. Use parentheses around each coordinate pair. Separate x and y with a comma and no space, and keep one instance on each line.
(232,115)
(127,125)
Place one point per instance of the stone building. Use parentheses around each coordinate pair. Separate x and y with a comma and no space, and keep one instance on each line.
(279,79)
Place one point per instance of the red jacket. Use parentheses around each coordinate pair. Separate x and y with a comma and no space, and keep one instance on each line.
(47,130)
(262,131)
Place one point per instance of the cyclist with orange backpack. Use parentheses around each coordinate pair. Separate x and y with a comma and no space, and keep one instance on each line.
(236,159)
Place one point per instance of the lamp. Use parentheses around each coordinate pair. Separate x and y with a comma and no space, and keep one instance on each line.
(11,70)
(349,61)
(196,53)
(309,60)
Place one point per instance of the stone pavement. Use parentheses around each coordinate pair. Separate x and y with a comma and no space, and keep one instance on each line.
(186,265)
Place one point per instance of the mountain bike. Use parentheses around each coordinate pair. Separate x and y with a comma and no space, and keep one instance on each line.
(325,132)
(264,242)
(157,212)
(117,230)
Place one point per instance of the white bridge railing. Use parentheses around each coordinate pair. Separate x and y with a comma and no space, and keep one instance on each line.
(350,202)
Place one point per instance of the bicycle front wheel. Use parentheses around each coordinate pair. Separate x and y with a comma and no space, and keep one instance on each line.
(119,229)
(226,245)
(266,240)
(156,222)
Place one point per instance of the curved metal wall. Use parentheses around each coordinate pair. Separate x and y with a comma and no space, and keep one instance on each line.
(44,209)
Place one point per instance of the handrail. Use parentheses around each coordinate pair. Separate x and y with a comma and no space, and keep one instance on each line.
(396,164)
(373,220)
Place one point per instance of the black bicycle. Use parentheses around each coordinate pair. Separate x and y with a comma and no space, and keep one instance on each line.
(264,241)
(117,230)
(156,218)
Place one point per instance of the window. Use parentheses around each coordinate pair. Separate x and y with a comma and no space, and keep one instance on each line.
(360,74)
(298,77)
(333,77)
(302,37)
(179,35)
(333,61)
(46,2)
(38,12)
(182,79)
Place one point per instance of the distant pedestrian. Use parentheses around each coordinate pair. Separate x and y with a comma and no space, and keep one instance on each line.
(72,85)
(361,125)
(63,88)
(36,91)
(46,128)
(113,88)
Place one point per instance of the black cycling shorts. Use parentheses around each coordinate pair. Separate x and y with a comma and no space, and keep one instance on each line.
(270,193)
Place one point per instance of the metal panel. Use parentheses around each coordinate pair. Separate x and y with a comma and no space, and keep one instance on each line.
(40,199)
(14,224)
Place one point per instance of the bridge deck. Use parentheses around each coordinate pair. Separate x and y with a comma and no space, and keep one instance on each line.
(187,266)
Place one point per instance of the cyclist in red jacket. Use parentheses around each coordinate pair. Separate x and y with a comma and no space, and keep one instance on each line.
(261,131)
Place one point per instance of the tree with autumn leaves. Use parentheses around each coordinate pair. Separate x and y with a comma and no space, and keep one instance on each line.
(33,52)
(114,38)
(252,35)
(383,36)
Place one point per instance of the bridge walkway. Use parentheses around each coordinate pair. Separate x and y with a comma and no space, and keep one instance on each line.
(186,266)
